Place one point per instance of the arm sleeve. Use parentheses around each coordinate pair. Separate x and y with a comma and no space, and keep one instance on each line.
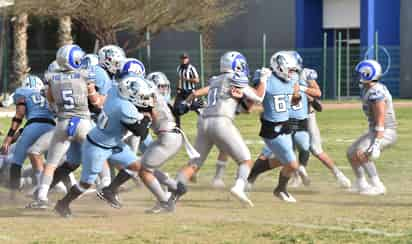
(251,95)
(139,128)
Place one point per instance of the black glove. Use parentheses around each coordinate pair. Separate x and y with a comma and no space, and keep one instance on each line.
(317,104)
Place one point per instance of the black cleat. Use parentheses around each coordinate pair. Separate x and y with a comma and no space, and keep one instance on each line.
(63,209)
(179,192)
(110,197)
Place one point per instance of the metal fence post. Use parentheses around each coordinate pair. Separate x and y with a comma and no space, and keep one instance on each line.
(264,50)
(376,46)
(339,64)
(149,52)
(325,57)
(5,55)
(202,67)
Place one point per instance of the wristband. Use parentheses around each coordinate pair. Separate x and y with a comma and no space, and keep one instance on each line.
(17,120)
(11,132)
(379,128)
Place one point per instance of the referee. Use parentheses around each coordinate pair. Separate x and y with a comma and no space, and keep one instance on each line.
(187,80)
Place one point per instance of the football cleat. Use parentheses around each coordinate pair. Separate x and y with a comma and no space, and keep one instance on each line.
(38,204)
(343,181)
(162,207)
(62,209)
(284,196)
(218,183)
(110,197)
(295,181)
(360,185)
(178,193)
(241,196)
(304,175)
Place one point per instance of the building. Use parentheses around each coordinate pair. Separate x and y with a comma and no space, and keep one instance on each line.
(303,24)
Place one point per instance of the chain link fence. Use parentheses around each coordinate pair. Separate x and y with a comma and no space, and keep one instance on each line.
(336,71)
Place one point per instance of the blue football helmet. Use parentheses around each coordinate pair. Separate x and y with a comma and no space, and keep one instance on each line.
(132,65)
(90,60)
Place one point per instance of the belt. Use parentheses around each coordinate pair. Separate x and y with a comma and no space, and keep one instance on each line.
(40,120)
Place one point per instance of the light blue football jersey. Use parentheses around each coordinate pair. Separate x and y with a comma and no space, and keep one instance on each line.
(300,111)
(277,100)
(103,80)
(109,130)
(36,104)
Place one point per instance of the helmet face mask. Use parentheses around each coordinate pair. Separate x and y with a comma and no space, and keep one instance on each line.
(90,60)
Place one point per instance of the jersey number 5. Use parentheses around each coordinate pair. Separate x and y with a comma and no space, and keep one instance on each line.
(68,100)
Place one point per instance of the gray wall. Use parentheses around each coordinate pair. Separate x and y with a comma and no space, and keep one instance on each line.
(406,49)
(275,17)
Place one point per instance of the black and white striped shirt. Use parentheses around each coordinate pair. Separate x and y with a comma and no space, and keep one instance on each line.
(186,73)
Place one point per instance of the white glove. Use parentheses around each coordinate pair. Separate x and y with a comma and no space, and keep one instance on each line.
(309,74)
(265,73)
(374,150)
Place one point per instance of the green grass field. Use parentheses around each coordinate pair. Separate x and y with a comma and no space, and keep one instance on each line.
(324,213)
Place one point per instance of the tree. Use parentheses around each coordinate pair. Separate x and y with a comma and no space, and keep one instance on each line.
(65,31)
(107,18)
(20,58)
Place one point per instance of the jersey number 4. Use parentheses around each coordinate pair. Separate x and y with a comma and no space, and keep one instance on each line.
(38,100)
(68,100)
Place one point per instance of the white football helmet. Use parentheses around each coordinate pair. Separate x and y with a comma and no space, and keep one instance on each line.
(285,65)
(110,57)
(309,74)
(233,62)
(69,57)
(132,65)
(162,83)
(369,71)
(32,82)
(89,60)
(136,90)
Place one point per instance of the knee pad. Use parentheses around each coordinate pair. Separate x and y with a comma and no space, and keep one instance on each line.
(15,174)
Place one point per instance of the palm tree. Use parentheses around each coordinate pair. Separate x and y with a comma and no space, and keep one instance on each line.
(65,31)
(20,58)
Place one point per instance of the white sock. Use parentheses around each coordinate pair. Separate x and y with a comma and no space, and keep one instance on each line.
(43,191)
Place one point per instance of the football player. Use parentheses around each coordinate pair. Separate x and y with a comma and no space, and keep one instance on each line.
(378,108)
(70,90)
(215,125)
(104,142)
(32,105)
(281,92)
